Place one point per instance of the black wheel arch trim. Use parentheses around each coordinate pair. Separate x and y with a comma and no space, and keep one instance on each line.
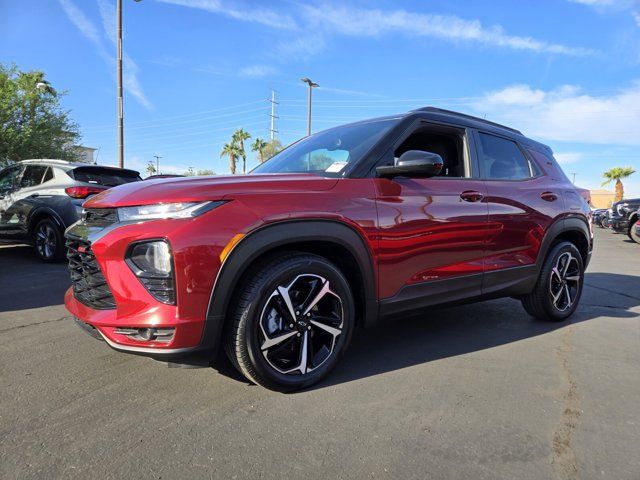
(275,235)
(559,227)
(41,213)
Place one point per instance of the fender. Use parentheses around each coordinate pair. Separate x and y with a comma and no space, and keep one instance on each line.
(276,235)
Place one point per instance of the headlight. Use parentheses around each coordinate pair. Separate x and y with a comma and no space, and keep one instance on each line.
(165,210)
(152,263)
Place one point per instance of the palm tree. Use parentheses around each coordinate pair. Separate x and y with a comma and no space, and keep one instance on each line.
(151,168)
(232,151)
(259,145)
(617,174)
(239,136)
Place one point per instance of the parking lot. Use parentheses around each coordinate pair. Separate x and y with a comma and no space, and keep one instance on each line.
(476,391)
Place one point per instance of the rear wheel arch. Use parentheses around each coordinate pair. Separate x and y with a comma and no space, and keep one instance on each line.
(336,241)
(40,214)
(573,230)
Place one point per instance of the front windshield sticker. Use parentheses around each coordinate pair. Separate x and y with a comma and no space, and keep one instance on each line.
(336,167)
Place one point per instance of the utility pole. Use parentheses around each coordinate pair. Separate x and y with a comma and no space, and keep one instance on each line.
(273,116)
(157,157)
(574,177)
(119,78)
(312,85)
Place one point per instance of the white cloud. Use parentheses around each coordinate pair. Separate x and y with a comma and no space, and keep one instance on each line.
(596,3)
(257,71)
(300,47)
(90,31)
(567,113)
(372,22)
(255,13)
(566,158)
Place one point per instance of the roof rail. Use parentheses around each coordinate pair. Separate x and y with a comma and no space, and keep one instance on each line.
(47,160)
(464,115)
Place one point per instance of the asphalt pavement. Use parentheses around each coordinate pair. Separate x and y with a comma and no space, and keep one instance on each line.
(476,391)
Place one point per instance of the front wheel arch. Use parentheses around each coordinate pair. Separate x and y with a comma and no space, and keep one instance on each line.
(321,237)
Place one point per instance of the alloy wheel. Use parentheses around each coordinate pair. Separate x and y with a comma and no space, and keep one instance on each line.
(565,282)
(46,240)
(299,325)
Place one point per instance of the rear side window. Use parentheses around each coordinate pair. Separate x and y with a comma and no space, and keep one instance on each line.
(109,177)
(33,175)
(502,159)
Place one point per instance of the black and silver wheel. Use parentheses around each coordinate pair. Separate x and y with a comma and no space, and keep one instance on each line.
(559,286)
(292,321)
(48,241)
(605,222)
(633,235)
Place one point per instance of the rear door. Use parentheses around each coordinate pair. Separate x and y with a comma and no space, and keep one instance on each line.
(522,203)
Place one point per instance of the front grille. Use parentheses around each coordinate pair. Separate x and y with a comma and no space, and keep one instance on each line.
(99,217)
(89,285)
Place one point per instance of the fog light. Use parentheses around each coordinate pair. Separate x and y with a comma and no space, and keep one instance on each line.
(147,334)
(152,263)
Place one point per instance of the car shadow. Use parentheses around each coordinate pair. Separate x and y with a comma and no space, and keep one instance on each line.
(27,282)
(435,334)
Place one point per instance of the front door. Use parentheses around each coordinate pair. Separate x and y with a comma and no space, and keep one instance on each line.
(431,230)
(9,178)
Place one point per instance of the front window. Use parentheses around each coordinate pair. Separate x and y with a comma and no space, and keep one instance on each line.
(328,153)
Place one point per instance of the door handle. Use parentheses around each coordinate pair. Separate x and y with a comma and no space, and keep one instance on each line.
(549,196)
(35,195)
(471,196)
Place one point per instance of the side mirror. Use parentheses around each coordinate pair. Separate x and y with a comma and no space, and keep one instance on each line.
(413,163)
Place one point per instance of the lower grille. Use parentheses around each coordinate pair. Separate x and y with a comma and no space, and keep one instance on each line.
(89,284)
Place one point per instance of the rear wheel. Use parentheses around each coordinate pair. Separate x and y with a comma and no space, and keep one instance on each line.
(292,321)
(633,235)
(48,241)
(559,286)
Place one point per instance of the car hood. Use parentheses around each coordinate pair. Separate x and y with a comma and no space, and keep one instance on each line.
(219,187)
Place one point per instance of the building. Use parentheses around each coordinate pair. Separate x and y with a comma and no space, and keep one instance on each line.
(602,198)
(85,154)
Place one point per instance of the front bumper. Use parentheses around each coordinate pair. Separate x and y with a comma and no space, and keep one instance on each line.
(619,223)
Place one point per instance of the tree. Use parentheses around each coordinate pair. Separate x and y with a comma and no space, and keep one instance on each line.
(617,174)
(32,122)
(239,136)
(151,168)
(189,172)
(273,147)
(259,145)
(205,172)
(232,151)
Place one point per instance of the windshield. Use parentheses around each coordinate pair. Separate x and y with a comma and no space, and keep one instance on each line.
(328,153)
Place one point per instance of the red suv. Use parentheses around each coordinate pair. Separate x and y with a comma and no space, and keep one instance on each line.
(374,219)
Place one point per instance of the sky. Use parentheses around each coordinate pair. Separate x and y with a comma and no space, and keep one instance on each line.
(564,72)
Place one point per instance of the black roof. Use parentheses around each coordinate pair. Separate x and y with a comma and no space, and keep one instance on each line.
(464,116)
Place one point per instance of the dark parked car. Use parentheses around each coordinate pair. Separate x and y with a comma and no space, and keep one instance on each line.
(374,219)
(623,216)
(634,232)
(39,199)
(599,215)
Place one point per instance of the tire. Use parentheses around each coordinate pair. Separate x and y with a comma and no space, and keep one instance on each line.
(605,222)
(548,300)
(48,241)
(272,303)
(632,232)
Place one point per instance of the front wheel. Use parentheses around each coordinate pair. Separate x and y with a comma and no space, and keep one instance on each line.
(633,233)
(293,319)
(559,286)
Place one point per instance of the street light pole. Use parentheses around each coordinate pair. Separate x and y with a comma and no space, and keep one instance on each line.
(119,78)
(312,85)
(157,163)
